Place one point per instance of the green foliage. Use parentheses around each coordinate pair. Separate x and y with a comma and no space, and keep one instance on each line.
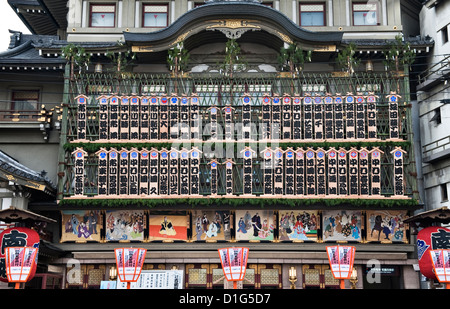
(178,59)
(233,60)
(399,54)
(347,60)
(121,59)
(293,58)
(76,56)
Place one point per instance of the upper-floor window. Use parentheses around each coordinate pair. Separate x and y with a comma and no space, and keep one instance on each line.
(155,15)
(365,14)
(102,15)
(312,14)
(24,100)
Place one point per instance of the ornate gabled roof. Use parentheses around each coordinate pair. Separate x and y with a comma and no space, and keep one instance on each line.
(233,18)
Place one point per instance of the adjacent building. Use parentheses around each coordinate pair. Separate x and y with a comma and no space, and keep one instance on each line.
(185,127)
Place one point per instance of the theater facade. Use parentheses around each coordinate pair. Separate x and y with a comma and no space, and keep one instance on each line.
(235,123)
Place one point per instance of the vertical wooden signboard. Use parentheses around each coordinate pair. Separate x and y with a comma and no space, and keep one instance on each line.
(321,171)
(266,118)
(113,171)
(360,113)
(228,177)
(102,172)
(195,171)
(144,172)
(353,171)
(399,187)
(393,99)
(342,172)
(247,154)
(246,117)
(174,172)
(154,173)
(135,116)
(123,171)
(278,171)
(267,168)
(164,172)
(364,185)
(332,171)
(184,117)
(195,118)
(103,118)
(154,118)
(296,119)
(214,177)
(318,118)
(79,155)
(184,172)
(289,171)
(133,188)
(307,118)
(375,170)
(114,118)
(213,122)
(300,171)
(338,117)
(276,119)
(144,119)
(229,125)
(310,172)
(174,115)
(371,116)
(81,116)
(350,116)
(328,116)
(124,118)
(164,118)
(287,118)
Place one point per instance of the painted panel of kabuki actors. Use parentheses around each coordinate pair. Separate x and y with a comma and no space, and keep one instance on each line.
(210,225)
(298,225)
(168,225)
(341,225)
(81,225)
(255,225)
(125,225)
(387,226)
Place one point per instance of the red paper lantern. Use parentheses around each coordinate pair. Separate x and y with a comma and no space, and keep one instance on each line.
(341,260)
(234,263)
(19,263)
(440,259)
(431,238)
(129,263)
(17,237)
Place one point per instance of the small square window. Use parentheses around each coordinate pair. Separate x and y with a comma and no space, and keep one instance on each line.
(24,100)
(312,14)
(365,14)
(103,15)
(155,16)
(444,34)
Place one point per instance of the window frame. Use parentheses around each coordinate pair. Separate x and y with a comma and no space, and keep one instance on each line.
(362,3)
(144,5)
(324,11)
(91,5)
(444,34)
(14,100)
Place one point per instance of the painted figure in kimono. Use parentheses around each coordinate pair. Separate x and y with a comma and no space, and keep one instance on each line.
(242,226)
(83,230)
(198,227)
(167,227)
(226,221)
(92,222)
(75,223)
(205,223)
(264,230)
(299,232)
(212,230)
(256,222)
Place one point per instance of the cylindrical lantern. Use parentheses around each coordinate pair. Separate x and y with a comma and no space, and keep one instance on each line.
(341,260)
(440,259)
(129,263)
(19,263)
(430,238)
(234,263)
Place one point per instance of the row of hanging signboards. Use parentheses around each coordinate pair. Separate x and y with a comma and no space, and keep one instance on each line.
(242,225)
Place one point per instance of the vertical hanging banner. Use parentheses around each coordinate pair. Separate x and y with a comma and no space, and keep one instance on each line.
(267,168)
(184,172)
(81,117)
(124,171)
(174,172)
(79,155)
(289,171)
(338,118)
(342,172)
(102,172)
(332,171)
(287,118)
(155,171)
(328,116)
(321,171)
(114,118)
(310,172)
(318,118)
(214,176)
(144,119)
(364,172)
(307,118)
(276,119)
(164,172)
(124,118)
(213,122)
(296,119)
(229,124)
(195,171)
(371,116)
(393,115)
(353,171)
(154,118)
(341,260)
(247,154)
(300,171)
(113,171)
(375,170)
(246,117)
(228,177)
(195,118)
(134,118)
(144,171)
(134,172)
(278,171)
(349,116)
(398,171)
(184,117)
(103,118)
(164,118)
(266,118)
(174,115)
(360,113)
